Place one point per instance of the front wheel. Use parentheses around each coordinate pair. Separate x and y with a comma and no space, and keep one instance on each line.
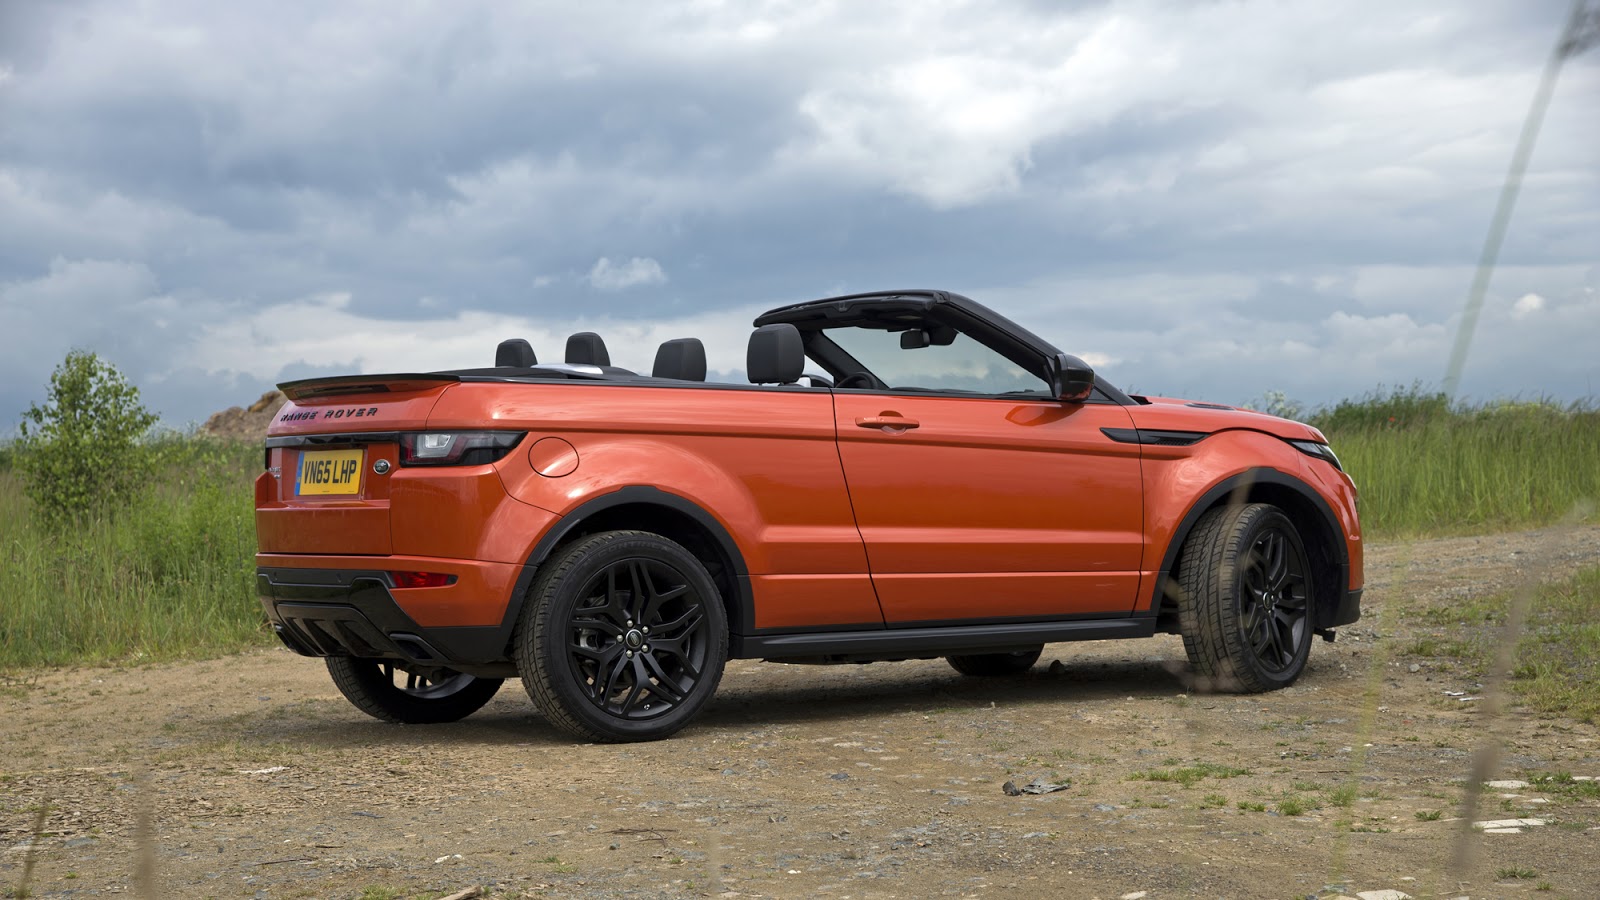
(623,637)
(1247,601)
(382,689)
(990,664)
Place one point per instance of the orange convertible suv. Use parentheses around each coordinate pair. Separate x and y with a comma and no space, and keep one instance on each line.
(907,475)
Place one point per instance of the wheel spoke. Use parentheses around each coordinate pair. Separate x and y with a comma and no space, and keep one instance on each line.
(1276,558)
(664,686)
(602,655)
(638,686)
(683,625)
(602,688)
(594,623)
(652,607)
(1260,635)
(642,589)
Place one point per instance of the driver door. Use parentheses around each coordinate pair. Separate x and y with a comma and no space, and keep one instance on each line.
(978,506)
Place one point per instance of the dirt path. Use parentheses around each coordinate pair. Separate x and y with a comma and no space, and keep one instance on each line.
(256,779)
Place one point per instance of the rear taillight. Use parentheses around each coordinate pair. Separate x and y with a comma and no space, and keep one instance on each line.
(421,579)
(456,448)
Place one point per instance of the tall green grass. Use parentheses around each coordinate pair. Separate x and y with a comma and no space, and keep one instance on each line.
(168,577)
(1425,466)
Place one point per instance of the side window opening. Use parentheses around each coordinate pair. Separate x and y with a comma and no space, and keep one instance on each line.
(935,359)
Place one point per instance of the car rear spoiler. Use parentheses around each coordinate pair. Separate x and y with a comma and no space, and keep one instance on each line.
(308,388)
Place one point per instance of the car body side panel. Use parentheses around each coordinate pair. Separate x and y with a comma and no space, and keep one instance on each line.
(1029,491)
(461,512)
(762,462)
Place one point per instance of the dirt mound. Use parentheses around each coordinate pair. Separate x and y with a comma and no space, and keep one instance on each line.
(245,423)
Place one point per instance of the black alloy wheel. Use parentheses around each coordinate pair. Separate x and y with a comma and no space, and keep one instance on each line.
(1273,599)
(387,690)
(1247,600)
(624,638)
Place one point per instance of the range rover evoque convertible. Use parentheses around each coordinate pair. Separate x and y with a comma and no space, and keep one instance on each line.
(908,475)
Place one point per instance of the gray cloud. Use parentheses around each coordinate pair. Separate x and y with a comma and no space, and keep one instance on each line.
(1216,199)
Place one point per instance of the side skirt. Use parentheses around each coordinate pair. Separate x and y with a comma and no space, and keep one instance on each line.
(910,643)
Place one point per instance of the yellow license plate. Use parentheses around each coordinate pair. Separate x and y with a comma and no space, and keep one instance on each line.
(328,472)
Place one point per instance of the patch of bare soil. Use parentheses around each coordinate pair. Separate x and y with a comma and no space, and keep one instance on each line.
(254,778)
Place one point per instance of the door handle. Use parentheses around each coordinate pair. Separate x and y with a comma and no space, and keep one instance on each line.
(890,424)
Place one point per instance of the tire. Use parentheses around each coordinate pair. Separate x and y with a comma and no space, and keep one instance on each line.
(1247,605)
(990,664)
(370,685)
(623,638)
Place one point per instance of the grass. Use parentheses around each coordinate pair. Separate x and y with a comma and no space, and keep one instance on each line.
(170,577)
(1564,785)
(1189,776)
(1425,466)
(1294,806)
(1557,659)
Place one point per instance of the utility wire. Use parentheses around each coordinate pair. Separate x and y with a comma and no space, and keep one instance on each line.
(1582,31)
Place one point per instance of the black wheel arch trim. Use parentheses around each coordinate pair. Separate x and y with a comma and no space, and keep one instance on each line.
(741,609)
(1334,606)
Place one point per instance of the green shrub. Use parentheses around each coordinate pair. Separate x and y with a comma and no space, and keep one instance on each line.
(81,453)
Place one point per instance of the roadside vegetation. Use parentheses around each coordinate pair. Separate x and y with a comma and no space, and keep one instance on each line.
(95,569)
(116,542)
(1425,466)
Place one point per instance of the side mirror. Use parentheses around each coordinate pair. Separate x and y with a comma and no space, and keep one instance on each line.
(1073,378)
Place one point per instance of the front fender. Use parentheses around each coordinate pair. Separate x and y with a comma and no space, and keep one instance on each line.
(1183,483)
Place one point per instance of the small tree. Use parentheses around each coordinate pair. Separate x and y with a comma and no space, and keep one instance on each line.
(80,453)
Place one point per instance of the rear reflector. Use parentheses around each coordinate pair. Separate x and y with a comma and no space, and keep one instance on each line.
(421,579)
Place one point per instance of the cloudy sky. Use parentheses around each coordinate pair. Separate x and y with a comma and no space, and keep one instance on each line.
(1204,199)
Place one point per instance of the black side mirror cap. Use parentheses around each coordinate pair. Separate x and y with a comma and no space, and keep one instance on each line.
(1072,378)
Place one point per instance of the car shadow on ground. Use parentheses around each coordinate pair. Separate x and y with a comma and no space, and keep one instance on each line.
(804,698)
(853,697)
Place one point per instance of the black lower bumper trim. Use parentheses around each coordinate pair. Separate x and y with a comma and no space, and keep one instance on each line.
(339,612)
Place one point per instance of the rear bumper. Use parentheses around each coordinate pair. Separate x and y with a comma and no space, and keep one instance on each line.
(354,612)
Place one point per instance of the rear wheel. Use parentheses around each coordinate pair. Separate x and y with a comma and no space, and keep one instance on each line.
(989,664)
(382,689)
(623,637)
(1246,608)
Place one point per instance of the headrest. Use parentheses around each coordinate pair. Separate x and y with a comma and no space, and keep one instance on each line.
(587,349)
(684,359)
(515,352)
(776,355)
